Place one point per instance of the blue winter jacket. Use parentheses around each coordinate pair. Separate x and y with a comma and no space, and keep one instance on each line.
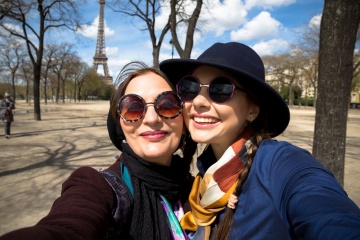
(290,195)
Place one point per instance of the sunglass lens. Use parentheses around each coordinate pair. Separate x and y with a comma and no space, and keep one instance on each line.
(168,105)
(131,108)
(188,88)
(221,89)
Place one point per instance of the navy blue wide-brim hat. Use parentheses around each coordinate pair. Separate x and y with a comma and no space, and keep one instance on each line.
(247,67)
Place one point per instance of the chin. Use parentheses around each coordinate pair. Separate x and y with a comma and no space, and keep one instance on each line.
(200,139)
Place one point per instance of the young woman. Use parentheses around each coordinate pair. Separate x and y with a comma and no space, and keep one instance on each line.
(250,186)
(148,113)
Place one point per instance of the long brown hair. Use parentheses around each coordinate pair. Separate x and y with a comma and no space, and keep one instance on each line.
(258,124)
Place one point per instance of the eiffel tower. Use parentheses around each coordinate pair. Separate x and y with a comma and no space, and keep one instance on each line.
(100,54)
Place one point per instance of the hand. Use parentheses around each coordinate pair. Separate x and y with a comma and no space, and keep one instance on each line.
(232,201)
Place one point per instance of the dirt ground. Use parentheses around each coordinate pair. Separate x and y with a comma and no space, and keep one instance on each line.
(40,155)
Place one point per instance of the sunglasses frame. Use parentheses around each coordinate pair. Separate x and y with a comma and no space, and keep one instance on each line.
(153,103)
(208,86)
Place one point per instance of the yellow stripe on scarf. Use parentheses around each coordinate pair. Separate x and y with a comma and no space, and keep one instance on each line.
(200,216)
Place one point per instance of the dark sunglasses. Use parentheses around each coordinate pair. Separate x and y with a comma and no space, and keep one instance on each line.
(132,107)
(220,89)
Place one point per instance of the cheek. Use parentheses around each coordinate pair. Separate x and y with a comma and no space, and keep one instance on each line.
(186,113)
(177,125)
(129,128)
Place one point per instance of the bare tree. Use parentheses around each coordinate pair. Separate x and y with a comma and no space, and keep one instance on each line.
(30,20)
(339,25)
(147,11)
(11,54)
(27,76)
(90,78)
(356,68)
(308,50)
(72,72)
(48,64)
(355,85)
(273,69)
(59,67)
(178,15)
(79,73)
(285,69)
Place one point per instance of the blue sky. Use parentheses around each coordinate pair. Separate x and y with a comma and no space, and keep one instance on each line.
(268,26)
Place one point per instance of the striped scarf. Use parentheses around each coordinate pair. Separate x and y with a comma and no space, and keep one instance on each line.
(210,193)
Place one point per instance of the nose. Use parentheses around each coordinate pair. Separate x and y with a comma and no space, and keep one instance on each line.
(203,98)
(151,115)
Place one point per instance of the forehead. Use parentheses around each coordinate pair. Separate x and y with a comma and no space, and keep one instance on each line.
(148,84)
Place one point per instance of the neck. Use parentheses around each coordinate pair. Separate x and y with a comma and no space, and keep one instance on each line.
(218,150)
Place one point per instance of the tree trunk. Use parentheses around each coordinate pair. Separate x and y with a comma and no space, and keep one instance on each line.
(192,21)
(63,90)
(339,24)
(13,87)
(45,92)
(75,83)
(58,89)
(36,90)
(291,94)
(156,52)
(27,90)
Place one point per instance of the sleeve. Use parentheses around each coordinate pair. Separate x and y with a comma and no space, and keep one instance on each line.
(83,211)
(312,200)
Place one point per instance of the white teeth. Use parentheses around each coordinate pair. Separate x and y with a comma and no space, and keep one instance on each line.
(204,120)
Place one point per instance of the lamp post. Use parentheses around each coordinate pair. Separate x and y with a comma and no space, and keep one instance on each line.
(172,48)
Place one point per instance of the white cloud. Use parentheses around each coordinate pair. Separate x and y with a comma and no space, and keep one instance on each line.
(220,16)
(262,26)
(118,57)
(315,21)
(267,4)
(162,19)
(116,65)
(270,47)
(13,27)
(112,51)
(91,31)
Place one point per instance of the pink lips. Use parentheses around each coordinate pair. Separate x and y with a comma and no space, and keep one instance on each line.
(154,135)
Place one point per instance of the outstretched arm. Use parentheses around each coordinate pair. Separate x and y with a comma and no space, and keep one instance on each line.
(83,211)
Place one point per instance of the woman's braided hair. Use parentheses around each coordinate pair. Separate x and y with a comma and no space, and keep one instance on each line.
(260,134)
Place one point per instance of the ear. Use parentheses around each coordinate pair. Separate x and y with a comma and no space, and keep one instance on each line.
(253,112)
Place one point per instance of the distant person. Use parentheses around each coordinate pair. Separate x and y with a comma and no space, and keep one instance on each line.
(145,123)
(249,185)
(8,106)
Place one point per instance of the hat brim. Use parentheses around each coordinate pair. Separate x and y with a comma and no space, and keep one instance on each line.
(270,100)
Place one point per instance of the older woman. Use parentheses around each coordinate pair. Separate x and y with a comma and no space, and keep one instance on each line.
(147,126)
